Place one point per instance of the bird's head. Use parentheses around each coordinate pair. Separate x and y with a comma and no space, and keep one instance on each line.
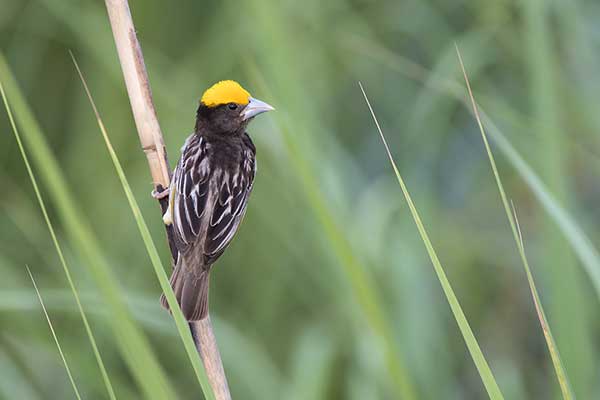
(226,108)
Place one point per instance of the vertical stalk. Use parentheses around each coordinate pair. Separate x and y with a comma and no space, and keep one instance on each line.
(142,106)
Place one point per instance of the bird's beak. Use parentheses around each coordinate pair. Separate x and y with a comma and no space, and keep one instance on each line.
(254,108)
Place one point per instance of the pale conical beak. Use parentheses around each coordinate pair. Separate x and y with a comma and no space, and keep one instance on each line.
(254,108)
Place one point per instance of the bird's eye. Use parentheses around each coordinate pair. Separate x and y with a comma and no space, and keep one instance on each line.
(232,106)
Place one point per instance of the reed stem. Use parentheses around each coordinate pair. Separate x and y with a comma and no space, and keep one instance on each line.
(151,139)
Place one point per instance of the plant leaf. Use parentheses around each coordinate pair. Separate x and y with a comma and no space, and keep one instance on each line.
(133,344)
(561,374)
(180,322)
(59,251)
(62,355)
(482,366)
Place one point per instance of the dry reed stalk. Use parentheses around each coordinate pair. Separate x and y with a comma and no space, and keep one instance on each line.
(140,97)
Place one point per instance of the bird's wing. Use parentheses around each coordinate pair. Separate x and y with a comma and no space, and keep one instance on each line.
(233,191)
(190,191)
(209,202)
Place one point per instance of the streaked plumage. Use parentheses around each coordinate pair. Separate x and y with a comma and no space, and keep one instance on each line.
(209,193)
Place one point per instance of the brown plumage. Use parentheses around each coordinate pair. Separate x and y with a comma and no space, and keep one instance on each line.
(208,194)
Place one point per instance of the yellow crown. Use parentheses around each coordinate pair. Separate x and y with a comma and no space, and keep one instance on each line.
(225,92)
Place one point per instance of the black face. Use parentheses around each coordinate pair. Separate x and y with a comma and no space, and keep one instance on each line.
(225,119)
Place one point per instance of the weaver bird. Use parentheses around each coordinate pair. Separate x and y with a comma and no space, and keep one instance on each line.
(209,190)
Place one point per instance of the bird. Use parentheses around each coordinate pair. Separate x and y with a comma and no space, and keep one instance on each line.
(209,190)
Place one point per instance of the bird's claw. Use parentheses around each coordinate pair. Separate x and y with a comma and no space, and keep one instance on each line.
(160,195)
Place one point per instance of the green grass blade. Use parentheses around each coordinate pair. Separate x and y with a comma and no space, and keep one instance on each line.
(561,374)
(573,233)
(180,322)
(61,257)
(482,366)
(62,355)
(133,344)
(547,106)
(580,242)
(360,280)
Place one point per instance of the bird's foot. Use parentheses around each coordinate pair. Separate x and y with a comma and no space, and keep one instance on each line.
(160,195)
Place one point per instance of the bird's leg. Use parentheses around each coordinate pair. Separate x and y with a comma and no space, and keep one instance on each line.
(162,195)
(164,199)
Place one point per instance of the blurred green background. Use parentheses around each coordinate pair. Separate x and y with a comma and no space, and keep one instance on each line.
(327,283)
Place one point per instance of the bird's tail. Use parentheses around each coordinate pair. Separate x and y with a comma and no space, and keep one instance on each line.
(191,291)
